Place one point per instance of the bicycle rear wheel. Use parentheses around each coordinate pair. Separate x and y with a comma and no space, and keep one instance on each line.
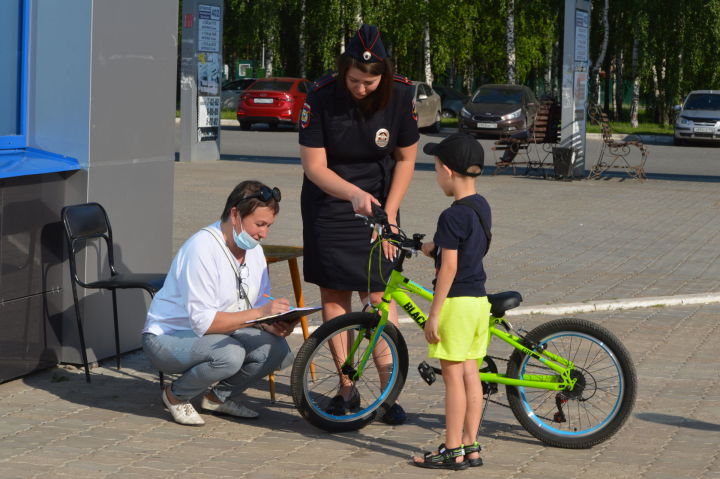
(315,379)
(602,399)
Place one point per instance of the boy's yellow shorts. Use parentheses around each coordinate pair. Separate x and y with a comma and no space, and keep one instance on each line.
(463,329)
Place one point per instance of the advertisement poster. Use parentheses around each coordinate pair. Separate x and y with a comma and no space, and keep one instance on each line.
(208,28)
(209,73)
(582,24)
(208,117)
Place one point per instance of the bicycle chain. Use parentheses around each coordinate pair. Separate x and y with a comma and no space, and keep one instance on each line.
(487,396)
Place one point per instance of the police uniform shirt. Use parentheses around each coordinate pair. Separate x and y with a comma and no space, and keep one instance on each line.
(360,151)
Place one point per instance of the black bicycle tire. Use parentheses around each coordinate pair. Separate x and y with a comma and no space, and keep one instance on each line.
(624,361)
(305,354)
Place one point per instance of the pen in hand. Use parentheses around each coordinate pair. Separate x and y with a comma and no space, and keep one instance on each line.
(272,299)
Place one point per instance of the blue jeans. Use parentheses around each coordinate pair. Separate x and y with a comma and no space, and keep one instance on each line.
(233,361)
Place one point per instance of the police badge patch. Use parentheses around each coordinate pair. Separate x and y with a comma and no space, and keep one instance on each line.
(305,116)
(382,137)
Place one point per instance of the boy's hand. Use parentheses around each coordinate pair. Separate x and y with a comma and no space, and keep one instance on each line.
(428,249)
(431,330)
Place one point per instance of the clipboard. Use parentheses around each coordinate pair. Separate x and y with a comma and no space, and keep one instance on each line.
(289,316)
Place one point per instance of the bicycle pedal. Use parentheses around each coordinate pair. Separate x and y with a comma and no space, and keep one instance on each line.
(427,373)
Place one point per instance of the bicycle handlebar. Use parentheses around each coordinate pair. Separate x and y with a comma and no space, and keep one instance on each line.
(379,219)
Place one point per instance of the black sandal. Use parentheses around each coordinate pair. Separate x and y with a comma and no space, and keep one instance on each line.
(444,459)
(475,447)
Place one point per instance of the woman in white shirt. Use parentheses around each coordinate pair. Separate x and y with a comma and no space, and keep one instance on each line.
(196,325)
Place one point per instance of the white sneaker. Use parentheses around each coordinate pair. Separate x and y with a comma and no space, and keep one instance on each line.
(229,407)
(183,413)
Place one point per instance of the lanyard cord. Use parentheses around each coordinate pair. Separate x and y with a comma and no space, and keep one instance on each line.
(242,294)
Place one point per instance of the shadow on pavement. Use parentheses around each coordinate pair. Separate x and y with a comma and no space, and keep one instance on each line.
(678,421)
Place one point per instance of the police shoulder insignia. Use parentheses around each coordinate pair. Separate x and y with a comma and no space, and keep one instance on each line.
(323,81)
(305,116)
(402,79)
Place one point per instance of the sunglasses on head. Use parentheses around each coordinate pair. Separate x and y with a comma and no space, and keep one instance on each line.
(265,194)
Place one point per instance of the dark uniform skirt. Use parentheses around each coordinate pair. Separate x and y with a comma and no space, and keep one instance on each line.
(336,243)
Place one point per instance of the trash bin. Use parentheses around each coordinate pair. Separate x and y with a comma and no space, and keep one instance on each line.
(562,162)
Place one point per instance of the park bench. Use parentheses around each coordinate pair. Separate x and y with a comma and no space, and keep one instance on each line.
(616,154)
(536,144)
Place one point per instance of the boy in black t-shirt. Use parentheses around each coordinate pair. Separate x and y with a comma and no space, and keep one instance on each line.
(457,326)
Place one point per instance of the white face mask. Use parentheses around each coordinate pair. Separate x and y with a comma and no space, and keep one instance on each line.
(244,240)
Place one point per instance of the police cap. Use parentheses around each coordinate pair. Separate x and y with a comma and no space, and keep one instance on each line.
(366,46)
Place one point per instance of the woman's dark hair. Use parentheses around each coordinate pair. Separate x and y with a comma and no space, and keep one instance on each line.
(378,99)
(246,207)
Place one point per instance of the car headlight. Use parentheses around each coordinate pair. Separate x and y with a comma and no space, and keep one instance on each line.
(683,121)
(512,116)
(464,113)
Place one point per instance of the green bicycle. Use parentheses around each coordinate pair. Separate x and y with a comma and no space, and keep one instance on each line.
(569,382)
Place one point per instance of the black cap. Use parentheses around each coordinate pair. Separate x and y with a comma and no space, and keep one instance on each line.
(366,46)
(459,152)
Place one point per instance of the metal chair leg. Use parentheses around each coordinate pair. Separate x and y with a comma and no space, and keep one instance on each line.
(117,332)
(83,352)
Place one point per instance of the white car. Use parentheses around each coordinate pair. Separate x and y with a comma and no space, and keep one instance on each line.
(428,107)
(698,117)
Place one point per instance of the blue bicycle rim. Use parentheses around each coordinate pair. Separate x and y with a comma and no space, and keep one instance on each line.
(375,404)
(585,432)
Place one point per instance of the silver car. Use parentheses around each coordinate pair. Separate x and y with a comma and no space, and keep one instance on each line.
(428,107)
(698,117)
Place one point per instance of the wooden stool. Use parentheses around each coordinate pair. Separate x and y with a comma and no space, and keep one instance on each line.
(275,254)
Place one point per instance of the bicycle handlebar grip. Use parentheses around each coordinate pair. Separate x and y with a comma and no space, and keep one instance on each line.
(379,215)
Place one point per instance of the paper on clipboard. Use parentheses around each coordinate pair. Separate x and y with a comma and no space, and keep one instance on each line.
(292,315)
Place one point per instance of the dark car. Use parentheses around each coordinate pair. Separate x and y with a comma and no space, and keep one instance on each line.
(497,110)
(275,101)
(452,100)
(231,91)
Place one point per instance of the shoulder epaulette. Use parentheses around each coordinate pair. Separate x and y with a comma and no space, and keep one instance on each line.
(323,81)
(402,79)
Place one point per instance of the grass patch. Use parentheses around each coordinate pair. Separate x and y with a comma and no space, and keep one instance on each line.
(624,128)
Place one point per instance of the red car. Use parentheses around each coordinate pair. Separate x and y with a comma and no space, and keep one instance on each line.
(275,101)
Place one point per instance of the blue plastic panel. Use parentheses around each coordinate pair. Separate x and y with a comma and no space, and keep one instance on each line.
(31,161)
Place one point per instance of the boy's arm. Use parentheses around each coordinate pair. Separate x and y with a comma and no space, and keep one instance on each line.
(445,278)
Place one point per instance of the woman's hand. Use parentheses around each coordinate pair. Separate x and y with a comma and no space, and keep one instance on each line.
(276,306)
(362,202)
(431,330)
(281,328)
(390,251)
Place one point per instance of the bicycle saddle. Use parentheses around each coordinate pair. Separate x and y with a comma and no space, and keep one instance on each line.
(501,302)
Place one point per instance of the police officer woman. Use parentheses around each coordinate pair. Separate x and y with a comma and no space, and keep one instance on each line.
(358,137)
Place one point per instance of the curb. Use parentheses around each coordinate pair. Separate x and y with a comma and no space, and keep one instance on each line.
(613,305)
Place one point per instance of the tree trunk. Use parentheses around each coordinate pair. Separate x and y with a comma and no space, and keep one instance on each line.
(270,57)
(511,41)
(468,78)
(635,105)
(601,57)
(301,42)
(451,76)
(426,54)
(619,90)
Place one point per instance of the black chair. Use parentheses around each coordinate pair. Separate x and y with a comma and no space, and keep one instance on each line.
(89,221)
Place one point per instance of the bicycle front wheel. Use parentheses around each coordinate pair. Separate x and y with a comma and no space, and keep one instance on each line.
(603,396)
(315,374)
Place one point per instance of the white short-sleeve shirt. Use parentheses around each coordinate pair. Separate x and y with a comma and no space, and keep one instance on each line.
(202,281)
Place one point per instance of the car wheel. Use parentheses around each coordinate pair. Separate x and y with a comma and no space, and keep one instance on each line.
(678,141)
(245,125)
(448,114)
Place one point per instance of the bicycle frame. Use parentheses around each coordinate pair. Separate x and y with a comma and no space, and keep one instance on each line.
(398,288)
